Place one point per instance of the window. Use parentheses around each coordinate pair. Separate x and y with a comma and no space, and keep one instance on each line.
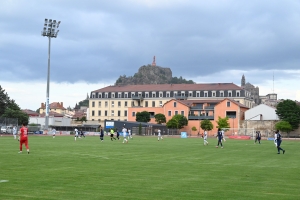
(106,95)
(221,93)
(182,112)
(229,94)
(175,104)
(133,114)
(105,113)
(198,94)
(112,113)
(153,103)
(132,103)
(126,95)
(237,93)
(175,94)
(99,95)
(168,94)
(99,104)
(160,94)
(112,95)
(99,112)
(205,93)
(190,94)
(106,103)
(112,104)
(213,93)
(93,95)
(160,103)
(119,103)
(119,113)
(93,113)
(125,104)
(125,113)
(176,112)
(132,94)
(169,113)
(146,103)
(182,94)
(228,103)
(119,95)
(93,104)
(146,95)
(153,94)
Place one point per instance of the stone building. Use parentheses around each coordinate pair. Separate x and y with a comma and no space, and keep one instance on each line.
(252,89)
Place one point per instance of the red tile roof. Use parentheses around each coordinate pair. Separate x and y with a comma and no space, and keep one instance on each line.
(235,102)
(54,105)
(30,112)
(170,87)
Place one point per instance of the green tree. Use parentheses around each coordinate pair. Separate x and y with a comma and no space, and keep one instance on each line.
(178,121)
(20,115)
(142,116)
(206,125)
(289,111)
(223,123)
(160,118)
(83,119)
(284,126)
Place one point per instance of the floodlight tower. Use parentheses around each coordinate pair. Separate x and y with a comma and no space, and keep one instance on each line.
(50,30)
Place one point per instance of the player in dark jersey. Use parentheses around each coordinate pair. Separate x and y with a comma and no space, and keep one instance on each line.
(258,137)
(219,136)
(279,143)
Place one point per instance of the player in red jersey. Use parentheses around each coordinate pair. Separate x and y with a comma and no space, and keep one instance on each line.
(24,137)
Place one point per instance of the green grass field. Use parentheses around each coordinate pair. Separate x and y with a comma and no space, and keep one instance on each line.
(144,168)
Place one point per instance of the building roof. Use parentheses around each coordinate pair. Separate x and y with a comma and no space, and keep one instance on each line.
(30,112)
(170,87)
(235,102)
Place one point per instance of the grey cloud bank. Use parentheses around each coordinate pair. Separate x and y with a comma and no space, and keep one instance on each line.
(100,40)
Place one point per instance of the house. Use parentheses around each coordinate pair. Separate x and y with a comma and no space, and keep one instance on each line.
(30,113)
(114,102)
(261,112)
(53,107)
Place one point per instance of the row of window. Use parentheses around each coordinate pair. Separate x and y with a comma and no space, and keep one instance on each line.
(169,94)
(133,113)
(119,104)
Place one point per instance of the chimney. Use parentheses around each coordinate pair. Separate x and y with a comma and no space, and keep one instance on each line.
(61,103)
(42,105)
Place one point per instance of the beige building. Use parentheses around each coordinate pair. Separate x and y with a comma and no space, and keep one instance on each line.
(53,107)
(112,102)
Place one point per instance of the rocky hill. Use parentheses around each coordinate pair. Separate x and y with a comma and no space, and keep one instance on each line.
(149,74)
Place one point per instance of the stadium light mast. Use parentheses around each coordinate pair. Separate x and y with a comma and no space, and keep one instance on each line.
(50,30)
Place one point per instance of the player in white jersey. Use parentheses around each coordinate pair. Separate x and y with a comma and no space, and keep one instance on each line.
(76,133)
(53,133)
(15,132)
(159,136)
(223,135)
(124,130)
(275,139)
(205,138)
(129,134)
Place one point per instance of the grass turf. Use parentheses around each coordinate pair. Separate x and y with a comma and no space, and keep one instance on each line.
(144,168)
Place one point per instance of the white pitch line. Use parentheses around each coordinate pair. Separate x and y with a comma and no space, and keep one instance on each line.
(3,181)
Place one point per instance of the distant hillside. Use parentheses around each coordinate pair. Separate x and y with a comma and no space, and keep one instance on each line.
(149,74)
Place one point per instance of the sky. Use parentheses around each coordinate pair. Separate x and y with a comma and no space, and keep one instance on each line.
(213,41)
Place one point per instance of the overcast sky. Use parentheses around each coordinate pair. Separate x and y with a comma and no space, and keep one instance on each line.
(99,40)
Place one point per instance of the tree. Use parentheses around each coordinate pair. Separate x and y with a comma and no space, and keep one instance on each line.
(289,111)
(83,119)
(20,115)
(284,126)
(142,116)
(223,123)
(160,118)
(178,121)
(206,125)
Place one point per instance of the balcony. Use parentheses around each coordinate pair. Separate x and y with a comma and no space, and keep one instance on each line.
(137,98)
(180,97)
(190,117)
(196,108)
(209,107)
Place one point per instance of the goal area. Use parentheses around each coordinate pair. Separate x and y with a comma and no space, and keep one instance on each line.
(240,132)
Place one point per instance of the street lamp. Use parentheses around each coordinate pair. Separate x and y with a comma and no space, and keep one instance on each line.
(50,30)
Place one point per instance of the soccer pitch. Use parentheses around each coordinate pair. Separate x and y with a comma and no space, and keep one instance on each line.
(144,168)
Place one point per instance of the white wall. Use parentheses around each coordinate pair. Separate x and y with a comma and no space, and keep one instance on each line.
(267,112)
(53,121)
